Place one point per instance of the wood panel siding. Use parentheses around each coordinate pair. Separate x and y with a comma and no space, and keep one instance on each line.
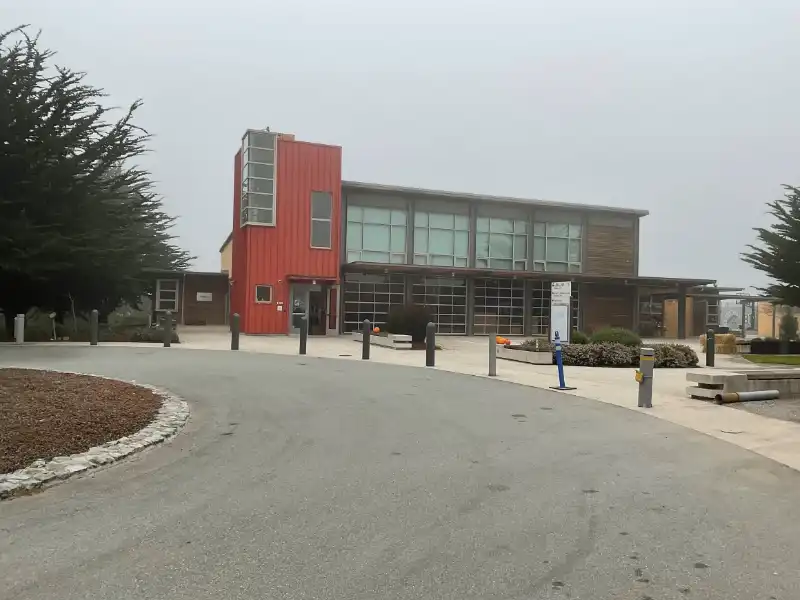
(607,306)
(610,250)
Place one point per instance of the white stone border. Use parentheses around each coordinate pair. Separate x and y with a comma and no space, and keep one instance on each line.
(172,415)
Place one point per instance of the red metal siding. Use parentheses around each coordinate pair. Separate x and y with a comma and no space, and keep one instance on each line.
(239,251)
(276,253)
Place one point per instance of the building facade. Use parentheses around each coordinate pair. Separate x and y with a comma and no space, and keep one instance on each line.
(304,242)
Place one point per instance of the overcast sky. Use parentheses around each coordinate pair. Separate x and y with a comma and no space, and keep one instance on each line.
(686,108)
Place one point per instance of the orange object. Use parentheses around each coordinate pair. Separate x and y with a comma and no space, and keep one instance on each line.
(376,330)
(501,340)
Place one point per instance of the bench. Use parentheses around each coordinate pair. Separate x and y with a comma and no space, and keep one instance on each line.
(711,383)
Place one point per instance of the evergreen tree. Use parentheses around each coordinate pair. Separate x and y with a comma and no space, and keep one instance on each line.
(79,220)
(777,251)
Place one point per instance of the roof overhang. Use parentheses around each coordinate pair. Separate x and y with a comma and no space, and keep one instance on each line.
(471,197)
(434,271)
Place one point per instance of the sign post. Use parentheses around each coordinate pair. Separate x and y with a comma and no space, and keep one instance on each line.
(560,299)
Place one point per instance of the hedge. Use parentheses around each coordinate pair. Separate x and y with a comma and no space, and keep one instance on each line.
(610,354)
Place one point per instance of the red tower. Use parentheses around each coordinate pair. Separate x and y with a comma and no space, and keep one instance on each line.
(286,234)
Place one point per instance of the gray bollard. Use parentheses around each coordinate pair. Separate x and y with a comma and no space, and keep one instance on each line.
(167,329)
(645,377)
(493,356)
(235,331)
(711,343)
(19,329)
(94,327)
(430,345)
(303,335)
(365,341)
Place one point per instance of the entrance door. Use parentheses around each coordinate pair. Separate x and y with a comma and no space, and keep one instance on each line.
(310,301)
(317,313)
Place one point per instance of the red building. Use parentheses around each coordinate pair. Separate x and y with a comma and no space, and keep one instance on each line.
(306,243)
(287,205)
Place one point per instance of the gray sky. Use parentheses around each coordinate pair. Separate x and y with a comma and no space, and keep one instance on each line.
(687,108)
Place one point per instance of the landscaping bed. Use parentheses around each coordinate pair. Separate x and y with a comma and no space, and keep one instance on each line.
(45,414)
(602,351)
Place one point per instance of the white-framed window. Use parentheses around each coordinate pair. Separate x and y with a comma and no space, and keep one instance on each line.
(321,214)
(441,239)
(501,244)
(258,178)
(376,235)
(167,294)
(557,247)
(263,294)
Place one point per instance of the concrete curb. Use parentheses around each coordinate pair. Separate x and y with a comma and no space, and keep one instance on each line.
(172,415)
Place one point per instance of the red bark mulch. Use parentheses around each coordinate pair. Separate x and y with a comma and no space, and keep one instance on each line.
(45,414)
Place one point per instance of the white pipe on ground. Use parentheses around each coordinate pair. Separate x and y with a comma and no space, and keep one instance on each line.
(747,396)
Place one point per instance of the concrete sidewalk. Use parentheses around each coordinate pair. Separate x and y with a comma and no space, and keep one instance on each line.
(773,438)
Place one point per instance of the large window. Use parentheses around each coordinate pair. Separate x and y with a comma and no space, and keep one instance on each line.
(376,235)
(371,297)
(540,309)
(258,178)
(501,244)
(499,306)
(321,211)
(446,299)
(167,295)
(557,247)
(441,239)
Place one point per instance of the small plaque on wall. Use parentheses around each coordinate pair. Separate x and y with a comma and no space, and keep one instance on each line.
(205,297)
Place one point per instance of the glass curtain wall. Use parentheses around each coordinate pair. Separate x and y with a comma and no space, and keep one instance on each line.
(446,299)
(540,308)
(501,244)
(258,178)
(376,235)
(557,247)
(441,239)
(371,297)
(499,306)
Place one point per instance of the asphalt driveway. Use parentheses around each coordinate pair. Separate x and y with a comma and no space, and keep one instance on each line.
(303,478)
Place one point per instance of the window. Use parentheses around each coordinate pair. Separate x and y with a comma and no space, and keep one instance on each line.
(446,299)
(321,212)
(501,244)
(557,247)
(540,309)
(376,235)
(167,294)
(258,178)
(371,297)
(441,239)
(263,294)
(499,306)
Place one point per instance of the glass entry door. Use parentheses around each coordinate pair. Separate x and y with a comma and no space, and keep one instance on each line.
(310,301)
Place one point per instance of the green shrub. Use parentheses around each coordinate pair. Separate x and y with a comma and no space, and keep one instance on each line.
(536,345)
(151,334)
(613,354)
(409,319)
(616,335)
(788,326)
(578,337)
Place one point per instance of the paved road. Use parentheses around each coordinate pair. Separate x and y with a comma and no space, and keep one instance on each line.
(324,479)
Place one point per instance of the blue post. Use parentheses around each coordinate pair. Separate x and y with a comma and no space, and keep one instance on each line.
(560,364)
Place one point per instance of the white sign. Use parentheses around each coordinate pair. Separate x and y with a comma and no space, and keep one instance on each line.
(559,322)
(205,297)
(560,293)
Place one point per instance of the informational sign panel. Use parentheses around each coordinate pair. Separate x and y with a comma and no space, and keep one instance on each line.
(205,297)
(560,292)
(560,299)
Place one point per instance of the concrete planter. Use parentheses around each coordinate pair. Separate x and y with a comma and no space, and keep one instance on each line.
(392,340)
(525,356)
